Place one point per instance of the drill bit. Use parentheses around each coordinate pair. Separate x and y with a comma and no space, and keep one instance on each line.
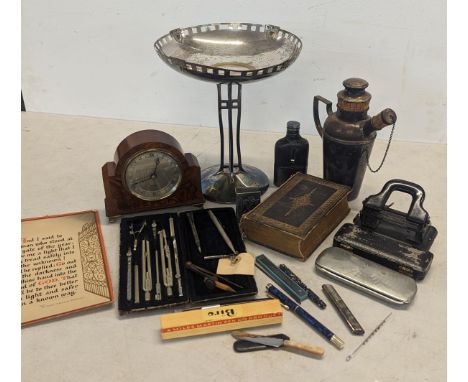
(367,338)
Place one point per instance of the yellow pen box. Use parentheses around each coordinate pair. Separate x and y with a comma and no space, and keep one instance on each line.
(221,318)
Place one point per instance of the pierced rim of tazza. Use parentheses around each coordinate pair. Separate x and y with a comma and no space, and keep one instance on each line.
(236,52)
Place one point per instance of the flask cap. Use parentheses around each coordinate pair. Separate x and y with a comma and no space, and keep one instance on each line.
(354,98)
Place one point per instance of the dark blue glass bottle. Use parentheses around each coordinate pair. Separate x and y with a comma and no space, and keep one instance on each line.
(291,154)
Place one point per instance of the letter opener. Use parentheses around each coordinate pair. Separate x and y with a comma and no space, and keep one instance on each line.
(278,342)
(176,257)
(306,317)
(242,346)
(146,269)
(194,230)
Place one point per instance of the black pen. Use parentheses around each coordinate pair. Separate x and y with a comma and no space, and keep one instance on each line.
(312,296)
(306,317)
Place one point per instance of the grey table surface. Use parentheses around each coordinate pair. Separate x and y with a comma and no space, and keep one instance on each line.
(61,172)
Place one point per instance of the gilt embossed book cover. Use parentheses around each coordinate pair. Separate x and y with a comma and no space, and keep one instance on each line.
(298,216)
(63,266)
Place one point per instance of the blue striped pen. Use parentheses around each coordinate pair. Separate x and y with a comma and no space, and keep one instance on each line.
(306,317)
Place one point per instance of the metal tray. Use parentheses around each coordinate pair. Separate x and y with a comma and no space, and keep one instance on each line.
(366,276)
(237,52)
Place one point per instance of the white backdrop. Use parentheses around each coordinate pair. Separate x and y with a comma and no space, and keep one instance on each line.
(96,58)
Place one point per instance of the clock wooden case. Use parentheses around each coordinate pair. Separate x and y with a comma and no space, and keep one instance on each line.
(149,172)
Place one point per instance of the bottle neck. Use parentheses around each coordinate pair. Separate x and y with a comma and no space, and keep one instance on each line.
(292,132)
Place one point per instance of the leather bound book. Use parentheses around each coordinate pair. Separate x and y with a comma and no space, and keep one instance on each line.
(297,217)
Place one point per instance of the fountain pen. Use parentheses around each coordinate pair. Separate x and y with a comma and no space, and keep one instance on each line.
(306,317)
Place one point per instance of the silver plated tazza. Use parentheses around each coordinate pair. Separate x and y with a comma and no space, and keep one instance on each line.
(229,54)
(224,52)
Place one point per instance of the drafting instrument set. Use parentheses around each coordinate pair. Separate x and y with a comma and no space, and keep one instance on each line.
(151,257)
(162,259)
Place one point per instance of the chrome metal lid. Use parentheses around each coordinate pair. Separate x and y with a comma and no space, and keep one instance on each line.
(366,275)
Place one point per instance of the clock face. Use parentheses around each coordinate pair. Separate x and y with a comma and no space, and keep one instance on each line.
(152,175)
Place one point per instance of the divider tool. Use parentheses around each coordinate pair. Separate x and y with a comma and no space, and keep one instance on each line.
(196,238)
(176,256)
(167,251)
(146,269)
(166,280)
(136,234)
(157,297)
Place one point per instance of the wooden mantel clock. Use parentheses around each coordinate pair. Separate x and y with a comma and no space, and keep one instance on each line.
(150,172)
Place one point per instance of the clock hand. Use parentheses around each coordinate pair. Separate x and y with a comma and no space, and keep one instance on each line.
(156,167)
(141,180)
(151,176)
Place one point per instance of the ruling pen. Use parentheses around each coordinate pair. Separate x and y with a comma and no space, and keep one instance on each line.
(306,317)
